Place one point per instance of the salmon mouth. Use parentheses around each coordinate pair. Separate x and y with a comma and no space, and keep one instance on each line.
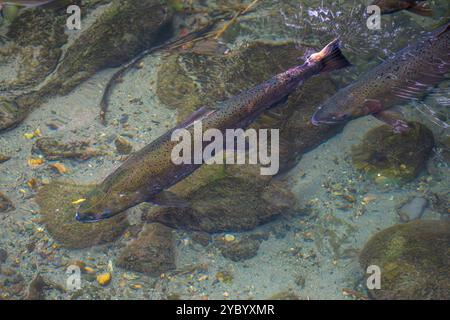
(318,122)
(93,218)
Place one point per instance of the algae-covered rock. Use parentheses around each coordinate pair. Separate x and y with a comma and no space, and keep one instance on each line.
(11,114)
(153,252)
(5,204)
(121,31)
(36,47)
(58,215)
(4,158)
(390,158)
(55,149)
(242,249)
(412,209)
(285,295)
(123,146)
(124,29)
(414,259)
(227,204)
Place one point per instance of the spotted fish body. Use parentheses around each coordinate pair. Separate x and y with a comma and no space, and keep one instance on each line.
(416,6)
(408,75)
(145,175)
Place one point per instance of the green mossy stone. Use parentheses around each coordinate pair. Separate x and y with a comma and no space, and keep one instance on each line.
(285,295)
(389,158)
(5,204)
(121,31)
(242,249)
(153,252)
(58,215)
(38,37)
(10,114)
(228,204)
(414,259)
(124,29)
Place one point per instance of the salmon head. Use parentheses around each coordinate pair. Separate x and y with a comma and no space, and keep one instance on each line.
(341,107)
(102,204)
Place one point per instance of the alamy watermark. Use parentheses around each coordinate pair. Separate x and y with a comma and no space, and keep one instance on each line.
(374,20)
(73,22)
(373,281)
(73,281)
(191,147)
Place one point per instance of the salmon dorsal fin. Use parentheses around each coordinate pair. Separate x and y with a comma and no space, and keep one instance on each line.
(421,8)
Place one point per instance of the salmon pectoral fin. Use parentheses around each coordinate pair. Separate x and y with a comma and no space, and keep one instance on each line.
(393,119)
(422,9)
(168,199)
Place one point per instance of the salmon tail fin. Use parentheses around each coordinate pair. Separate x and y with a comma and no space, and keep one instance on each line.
(421,8)
(331,57)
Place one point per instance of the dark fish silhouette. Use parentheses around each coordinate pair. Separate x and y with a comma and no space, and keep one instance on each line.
(408,75)
(415,6)
(148,172)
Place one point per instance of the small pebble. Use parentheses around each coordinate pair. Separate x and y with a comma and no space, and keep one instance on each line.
(413,210)
(104,279)
(229,238)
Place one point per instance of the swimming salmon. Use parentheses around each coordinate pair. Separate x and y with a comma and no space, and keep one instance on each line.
(147,173)
(408,75)
(416,6)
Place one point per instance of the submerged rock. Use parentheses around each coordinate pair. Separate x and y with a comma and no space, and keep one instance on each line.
(390,158)
(4,158)
(285,295)
(58,215)
(441,202)
(37,37)
(123,29)
(36,288)
(413,209)
(3,255)
(414,259)
(153,252)
(109,42)
(123,146)
(54,149)
(201,238)
(12,284)
(226,204)
(242,249)
(5,204)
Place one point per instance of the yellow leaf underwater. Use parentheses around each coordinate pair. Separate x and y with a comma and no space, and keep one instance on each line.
(78,201)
